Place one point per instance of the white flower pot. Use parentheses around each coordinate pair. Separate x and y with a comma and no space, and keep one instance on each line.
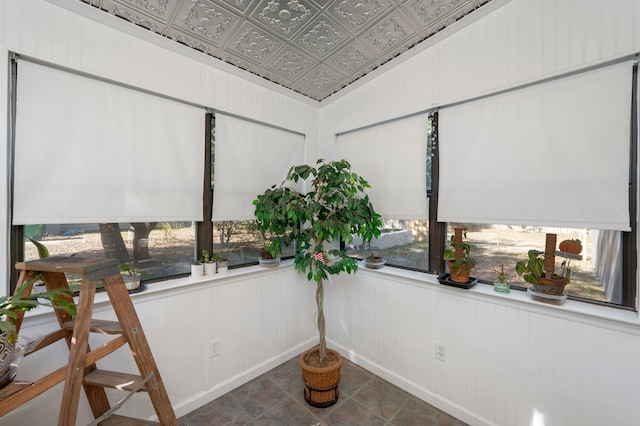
(197,271)
(223,267)
(210,268)
(131,282)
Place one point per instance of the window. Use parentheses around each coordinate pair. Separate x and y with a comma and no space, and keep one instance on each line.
(404,243)
(158,178)
(597,276)
(545,169)
(155,250)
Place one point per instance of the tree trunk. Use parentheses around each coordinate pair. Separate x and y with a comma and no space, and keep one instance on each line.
(141,233)
(113,243)
(322,347)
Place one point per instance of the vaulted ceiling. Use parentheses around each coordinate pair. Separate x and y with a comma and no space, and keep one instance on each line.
(314,47)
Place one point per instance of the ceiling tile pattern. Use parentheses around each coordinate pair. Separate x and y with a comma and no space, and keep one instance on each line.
(314,47)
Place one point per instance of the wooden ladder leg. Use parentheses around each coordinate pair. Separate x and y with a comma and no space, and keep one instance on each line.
(97,397)
(126,313)
(77,353)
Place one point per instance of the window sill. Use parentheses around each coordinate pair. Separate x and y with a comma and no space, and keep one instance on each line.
(162,289)
(600,316)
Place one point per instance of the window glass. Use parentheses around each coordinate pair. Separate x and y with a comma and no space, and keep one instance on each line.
(240,241)
(155,250)
(403,243)
(597,276)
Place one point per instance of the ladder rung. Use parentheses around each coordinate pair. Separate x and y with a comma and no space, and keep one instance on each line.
(49,339)
(113,379)
(116,420)
(99,326)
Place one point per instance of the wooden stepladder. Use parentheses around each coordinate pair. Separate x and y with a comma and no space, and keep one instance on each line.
(81,370)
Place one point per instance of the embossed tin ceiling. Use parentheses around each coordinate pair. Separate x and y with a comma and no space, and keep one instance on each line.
(314,47)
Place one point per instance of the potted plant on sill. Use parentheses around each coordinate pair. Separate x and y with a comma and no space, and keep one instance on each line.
(333,209)
(197,268)
(23,299)
(374,261)
(222,263)
(129,276)
(269,253)
(539,269)
(209,262)
(457,256)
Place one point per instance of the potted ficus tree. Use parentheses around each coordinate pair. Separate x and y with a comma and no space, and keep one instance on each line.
(333,209)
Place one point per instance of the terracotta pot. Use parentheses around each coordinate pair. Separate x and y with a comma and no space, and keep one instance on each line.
(554,286)
(460,275)
(321,383)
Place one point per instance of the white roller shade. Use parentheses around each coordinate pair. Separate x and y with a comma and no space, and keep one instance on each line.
(553,154)
(250,157)
(87,151)
(392,157)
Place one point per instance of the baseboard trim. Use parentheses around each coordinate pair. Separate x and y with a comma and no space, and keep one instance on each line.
(198,400)
(412,387)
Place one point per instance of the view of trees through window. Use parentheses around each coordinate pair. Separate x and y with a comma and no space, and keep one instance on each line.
(155,250)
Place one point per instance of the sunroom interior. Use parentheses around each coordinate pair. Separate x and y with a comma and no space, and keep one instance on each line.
(515,118)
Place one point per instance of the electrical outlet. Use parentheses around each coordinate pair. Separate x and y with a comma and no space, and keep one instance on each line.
(214,348)
(441,352)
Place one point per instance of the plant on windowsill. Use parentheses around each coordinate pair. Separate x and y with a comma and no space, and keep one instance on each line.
(457,256)
(209,262)
(334,208)
(223,263)
(539,269)
(129,276)
(197,268)
(269,253)
(374,261)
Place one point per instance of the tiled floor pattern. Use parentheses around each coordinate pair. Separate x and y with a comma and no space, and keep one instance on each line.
(275,398)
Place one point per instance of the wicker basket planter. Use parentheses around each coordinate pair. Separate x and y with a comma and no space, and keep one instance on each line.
(321,383)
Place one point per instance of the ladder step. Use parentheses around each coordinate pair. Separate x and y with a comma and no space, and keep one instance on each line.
(116,420)
(99,326)
(113,379)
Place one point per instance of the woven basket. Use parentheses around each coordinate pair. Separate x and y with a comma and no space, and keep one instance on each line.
(321,384)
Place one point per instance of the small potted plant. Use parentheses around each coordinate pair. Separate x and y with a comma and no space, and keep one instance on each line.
(130,276)
(374,261)
(197,268)
(24,300)
(209,262)
(223,263)
(457,256)
(269,253)
(539,270)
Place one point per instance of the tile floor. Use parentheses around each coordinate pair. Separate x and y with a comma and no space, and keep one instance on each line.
(275,398)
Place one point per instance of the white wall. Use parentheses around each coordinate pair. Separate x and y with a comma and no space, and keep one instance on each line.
(510,362)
